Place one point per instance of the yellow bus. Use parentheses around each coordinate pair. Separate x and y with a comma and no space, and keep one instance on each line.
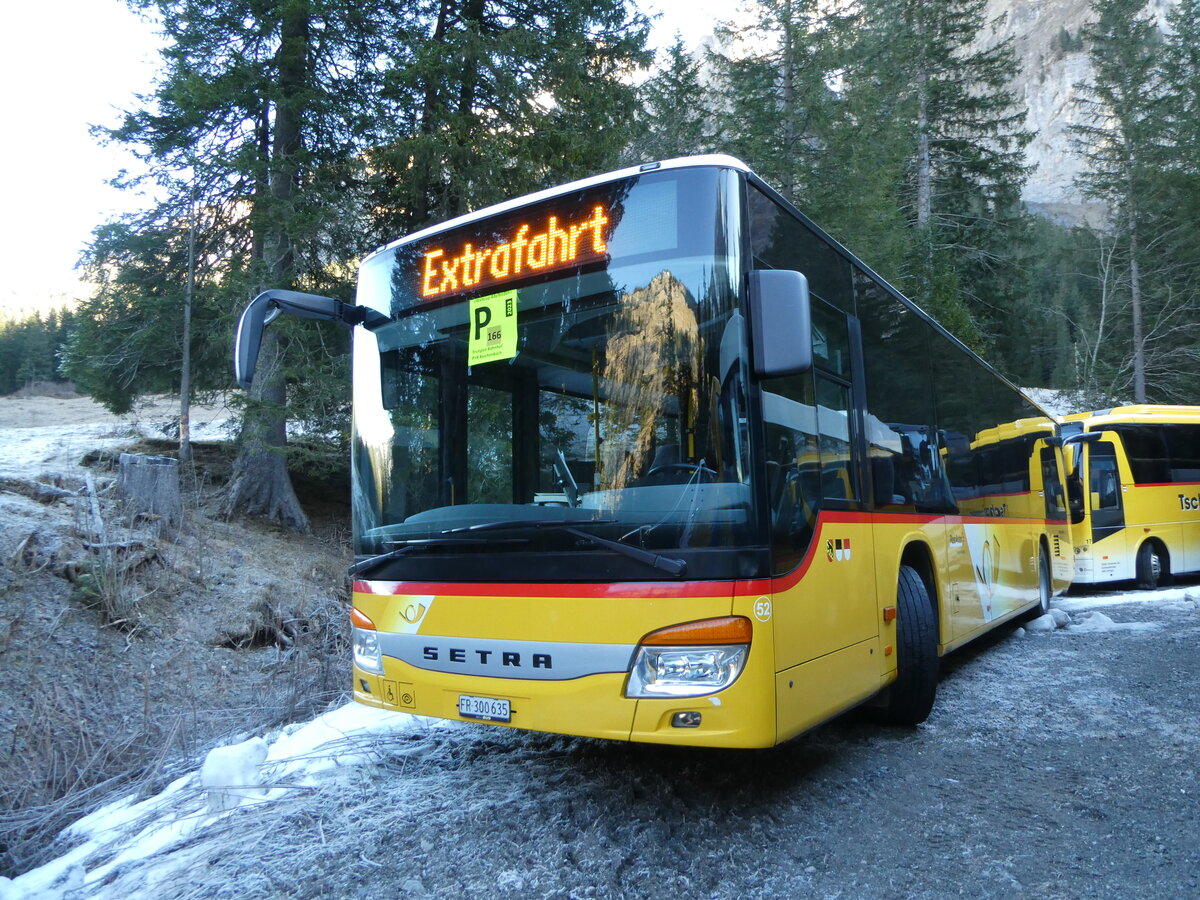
(1134,487)
(650,457)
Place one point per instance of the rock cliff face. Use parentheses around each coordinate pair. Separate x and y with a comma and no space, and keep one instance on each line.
(1046,85)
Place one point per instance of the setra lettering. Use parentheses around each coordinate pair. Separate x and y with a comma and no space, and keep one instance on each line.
(487,658)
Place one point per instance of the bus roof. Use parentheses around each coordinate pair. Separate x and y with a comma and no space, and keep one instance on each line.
(1010,430)
(1137,415)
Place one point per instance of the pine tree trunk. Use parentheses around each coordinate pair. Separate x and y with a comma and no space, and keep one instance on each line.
(185,368)
(260,484)
(1135,297)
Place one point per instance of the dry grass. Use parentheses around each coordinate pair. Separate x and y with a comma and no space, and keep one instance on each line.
(128,649)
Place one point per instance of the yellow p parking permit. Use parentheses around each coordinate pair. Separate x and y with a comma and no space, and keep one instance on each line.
(493,328)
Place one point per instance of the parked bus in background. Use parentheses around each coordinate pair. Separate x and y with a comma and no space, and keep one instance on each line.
(1134,492)
(650,457)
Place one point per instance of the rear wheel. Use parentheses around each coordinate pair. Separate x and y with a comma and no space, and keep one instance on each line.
(1149,566)
(1044,588)
(909,700)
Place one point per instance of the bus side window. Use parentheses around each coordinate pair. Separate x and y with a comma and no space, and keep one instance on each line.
(793,467)
(833,423)
(1103,482)
(1056,503)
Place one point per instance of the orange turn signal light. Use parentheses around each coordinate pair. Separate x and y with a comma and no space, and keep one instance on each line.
(889,614)
(725,630)
(358,620)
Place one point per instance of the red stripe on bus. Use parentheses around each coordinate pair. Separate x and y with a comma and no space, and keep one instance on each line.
(655,589)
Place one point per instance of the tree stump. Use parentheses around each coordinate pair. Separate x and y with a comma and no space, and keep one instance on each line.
(150,487)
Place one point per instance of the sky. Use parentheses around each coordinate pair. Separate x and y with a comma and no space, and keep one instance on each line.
(81,70)
(63,68)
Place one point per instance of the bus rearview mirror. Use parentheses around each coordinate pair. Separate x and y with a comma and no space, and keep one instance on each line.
(781,323)
(264,309)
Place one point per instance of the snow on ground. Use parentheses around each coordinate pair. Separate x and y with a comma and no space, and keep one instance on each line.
(258,770)
(51,434)
(148,835)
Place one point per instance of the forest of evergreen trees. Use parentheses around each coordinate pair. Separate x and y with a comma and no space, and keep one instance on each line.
(287,141)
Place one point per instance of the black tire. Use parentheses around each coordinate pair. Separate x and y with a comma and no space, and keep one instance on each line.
(1045,589)
(909,700)
(1149,566)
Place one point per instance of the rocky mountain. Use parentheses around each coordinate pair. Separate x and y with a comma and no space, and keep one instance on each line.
(1046,36)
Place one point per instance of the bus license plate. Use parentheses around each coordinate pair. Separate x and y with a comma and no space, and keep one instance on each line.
(488,709)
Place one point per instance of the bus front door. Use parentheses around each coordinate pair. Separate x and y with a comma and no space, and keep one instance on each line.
(1107,508)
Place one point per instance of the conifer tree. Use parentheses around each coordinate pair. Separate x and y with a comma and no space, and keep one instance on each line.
(1121,141)
(490,99)
(1173,215)
(950,108)
(675,115)
(309,130)
(256,113)
(775,100)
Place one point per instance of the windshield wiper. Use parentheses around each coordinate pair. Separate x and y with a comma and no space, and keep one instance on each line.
(666,564)
(403,548)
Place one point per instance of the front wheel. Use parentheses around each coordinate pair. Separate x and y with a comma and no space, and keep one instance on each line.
(1149,567)
(909,700)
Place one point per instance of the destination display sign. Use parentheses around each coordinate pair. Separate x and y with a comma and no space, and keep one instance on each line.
(548,242)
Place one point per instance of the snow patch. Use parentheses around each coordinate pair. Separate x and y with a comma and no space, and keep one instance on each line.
(1100,601)
(1041,624)
(1051,621)
(125,834)
(1098,623)
(232,774)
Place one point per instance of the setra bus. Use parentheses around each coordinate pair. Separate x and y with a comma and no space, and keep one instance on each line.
(1134,486)
(650,457)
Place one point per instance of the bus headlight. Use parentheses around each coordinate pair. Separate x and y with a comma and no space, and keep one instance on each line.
(690,660)
(366,643)
(366,651)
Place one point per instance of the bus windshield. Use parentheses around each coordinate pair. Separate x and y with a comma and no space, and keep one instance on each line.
(559,382)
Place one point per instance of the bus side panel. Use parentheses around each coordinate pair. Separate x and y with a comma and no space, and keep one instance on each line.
(1108,559)
(1161,511)
(826,624)
(1062,556)
(1003,561)
(960,606)
(1188,498)
(830,602)
(820,689)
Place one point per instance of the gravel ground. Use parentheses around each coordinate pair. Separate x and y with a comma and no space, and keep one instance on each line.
(1055,765)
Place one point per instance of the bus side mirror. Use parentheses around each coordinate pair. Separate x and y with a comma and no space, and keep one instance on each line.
(781,323)
(266,307)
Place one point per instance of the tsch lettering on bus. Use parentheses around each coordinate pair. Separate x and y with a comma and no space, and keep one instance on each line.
(524,252)
(504,658)
(1189,503)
